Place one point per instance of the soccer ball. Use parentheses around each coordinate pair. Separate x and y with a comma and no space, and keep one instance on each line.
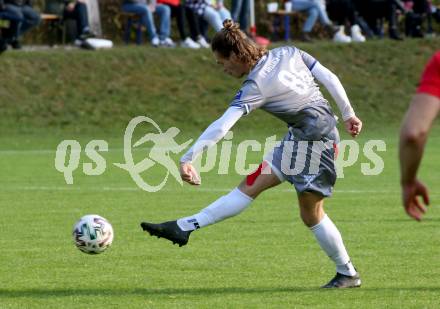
(92,234)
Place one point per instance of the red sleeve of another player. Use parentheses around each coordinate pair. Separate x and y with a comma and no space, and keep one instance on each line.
(430,82)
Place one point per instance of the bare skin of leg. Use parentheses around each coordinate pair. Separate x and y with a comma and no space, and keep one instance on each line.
(310,204)
(311,207)
(263,182)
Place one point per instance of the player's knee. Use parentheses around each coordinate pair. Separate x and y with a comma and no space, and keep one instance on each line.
(250,191)
(309,218)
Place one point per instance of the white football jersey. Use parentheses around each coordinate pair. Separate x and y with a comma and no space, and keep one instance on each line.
(281,83)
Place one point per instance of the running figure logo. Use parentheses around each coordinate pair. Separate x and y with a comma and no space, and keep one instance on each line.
(164,143)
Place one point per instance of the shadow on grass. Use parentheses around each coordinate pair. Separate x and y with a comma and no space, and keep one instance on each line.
(44,293)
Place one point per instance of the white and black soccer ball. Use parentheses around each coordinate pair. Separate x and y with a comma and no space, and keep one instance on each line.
(92,234)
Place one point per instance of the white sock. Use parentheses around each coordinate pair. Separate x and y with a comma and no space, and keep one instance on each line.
(331,242)
(226,206)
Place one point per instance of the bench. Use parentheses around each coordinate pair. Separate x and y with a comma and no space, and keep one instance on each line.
(54,21)
(285,16)
(56,24)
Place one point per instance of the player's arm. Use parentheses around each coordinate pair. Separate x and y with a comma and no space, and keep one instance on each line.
(353,124)
(247,99)
(416,125)
(414,132)
(215,132)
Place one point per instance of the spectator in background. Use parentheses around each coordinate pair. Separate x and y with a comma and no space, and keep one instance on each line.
(76,10)
(4,33)
(315,10)
(435,13)
(343,12)
(23,18)
(375,11)
(425,107)
(195,27)
(3,45)
(418,12)
(213,12)
(146,10)
(178,11)
(240,13)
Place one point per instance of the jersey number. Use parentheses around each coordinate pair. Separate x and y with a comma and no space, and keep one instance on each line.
(297,81)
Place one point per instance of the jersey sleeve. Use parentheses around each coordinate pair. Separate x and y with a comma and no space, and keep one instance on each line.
(215,132)
(335,88)
(309,60)
(249,97)
(430,81)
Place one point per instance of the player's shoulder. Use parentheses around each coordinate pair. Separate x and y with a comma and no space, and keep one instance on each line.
(284,51)
(276,55)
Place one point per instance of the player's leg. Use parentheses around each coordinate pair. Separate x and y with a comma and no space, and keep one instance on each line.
(232,203)
(329,238)
(227,206)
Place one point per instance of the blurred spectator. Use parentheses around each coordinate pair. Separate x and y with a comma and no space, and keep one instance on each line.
(3,45)
(195,21)
(315,10)
(375,11)
(240,13)
(343,12)
(4,33)
(178,11)
(22,18)
(213,12)
(435,12)
(76,10)
(146,10)
(418,12)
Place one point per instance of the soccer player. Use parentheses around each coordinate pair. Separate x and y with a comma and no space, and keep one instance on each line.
(416,125)
(281,82)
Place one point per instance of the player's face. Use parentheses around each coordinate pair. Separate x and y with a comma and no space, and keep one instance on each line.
(232,65)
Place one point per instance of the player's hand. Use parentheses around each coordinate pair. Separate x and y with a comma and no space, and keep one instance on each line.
(189,174)
(353,126)
(413,206)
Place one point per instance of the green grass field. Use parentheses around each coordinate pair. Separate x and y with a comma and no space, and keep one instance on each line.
(264,258)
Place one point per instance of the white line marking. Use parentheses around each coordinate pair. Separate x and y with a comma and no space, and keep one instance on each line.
(219,190)
(134,189)
(53,152)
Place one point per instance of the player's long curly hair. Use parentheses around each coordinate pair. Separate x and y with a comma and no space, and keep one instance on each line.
(232,39)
